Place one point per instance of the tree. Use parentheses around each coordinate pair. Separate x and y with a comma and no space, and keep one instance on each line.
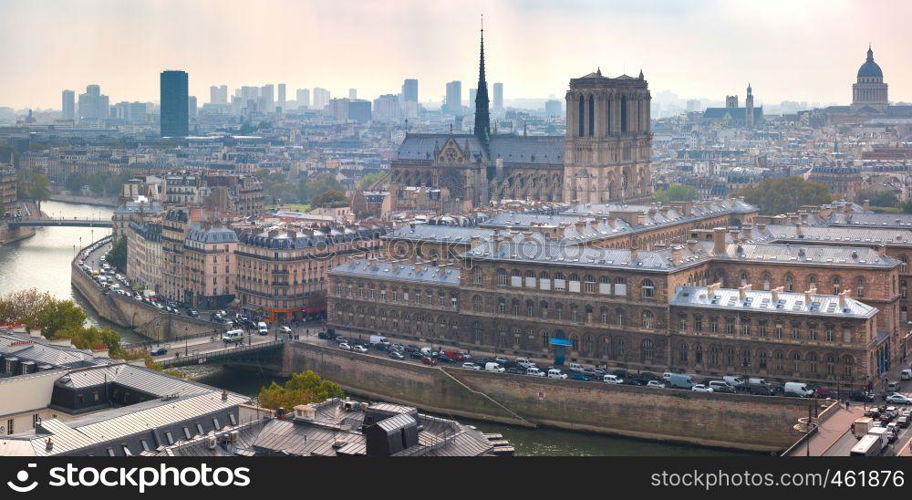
(302,388)
(34,186)
(23,306)
(58,316)
(370,179)
(676,192)
(117,257)
(877,197)
(777,196)
(330,199)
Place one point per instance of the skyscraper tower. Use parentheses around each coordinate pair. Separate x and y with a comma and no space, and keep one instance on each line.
(482,116)
(175,104)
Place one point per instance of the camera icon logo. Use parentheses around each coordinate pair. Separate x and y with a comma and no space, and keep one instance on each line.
(22,477)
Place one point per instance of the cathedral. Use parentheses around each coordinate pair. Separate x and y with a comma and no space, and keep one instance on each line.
(604,157)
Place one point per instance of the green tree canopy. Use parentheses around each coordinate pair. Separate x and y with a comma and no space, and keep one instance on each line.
(330,198)
(877,197)
(676,192)
(369,179)
(302,388)
(57,316)
(777,196)
(117,257)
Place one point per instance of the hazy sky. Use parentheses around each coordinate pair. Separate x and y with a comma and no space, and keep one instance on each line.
(790,49)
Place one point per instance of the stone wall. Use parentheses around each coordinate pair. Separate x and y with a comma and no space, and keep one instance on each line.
(127,312)
(723,420)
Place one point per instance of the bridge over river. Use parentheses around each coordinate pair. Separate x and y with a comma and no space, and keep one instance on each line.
(62,221)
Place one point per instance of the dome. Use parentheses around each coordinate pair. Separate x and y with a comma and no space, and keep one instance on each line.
(870,69)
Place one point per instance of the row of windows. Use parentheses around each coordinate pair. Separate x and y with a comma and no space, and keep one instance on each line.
(560,282)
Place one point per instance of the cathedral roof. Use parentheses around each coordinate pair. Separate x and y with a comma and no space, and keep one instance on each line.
(870,68)
(510,148)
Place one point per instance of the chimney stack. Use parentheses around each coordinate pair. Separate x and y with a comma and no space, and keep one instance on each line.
(676,255)
(633,252)
(719,241)
(712,287)
(748,231)
(775,292)
(692,245)
(843,295)
(808,295)
(742,291)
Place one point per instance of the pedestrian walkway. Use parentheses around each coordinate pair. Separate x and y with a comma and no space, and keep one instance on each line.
(830,436)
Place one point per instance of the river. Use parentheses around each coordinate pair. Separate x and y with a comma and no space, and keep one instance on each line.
(43,262)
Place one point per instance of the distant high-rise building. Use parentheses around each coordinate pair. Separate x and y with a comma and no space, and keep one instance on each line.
(472,94)
(320,98)
(554,107)
(386,108)
(359,110)
(218,94)
(93,105)
(410,90)
(267,99)
(191,107)
(303,98)
(498,98)
(175,104)
(337,109)
(281,103)
(352,94)
(68,107)
(694,106)
(453,103)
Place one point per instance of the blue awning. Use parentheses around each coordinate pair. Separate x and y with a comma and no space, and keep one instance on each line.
(562,342)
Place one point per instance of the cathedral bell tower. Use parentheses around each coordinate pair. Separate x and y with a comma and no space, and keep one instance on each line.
(608,144)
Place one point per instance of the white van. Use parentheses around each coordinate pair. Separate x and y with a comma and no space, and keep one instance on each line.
(524,362)
(575,367)
(534,372)
(262,329)
(494,367)
(733,381)
(906,374)
(799,389)
(612,379)
(555,373)
(233,336)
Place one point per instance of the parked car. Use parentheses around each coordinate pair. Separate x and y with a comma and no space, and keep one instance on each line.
(359,348)
(262,328)
(534,372)
(720,386)
(396,355)
(344,346)
(233,336)
(655,384)
(194,313)
(494,367)
(862,396)
(892,386)
(285,330)
(160,351)
(903,422)
(579,376)
(797,389)
(612,379)
(906,374)
(525,363)
(897,398)
(556,373)
(575,367)
(427,360)
(701,388)
(471,366)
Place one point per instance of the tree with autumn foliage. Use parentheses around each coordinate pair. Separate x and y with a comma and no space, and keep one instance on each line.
(301,388)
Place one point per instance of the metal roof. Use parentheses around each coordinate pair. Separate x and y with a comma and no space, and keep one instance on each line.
(763,301)
(396,271)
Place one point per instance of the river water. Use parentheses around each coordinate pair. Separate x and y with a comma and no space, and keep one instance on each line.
(43,262)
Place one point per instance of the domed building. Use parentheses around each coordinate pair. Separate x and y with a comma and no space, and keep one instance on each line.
(870,89)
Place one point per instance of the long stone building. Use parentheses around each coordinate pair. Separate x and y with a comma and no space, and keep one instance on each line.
(706,307)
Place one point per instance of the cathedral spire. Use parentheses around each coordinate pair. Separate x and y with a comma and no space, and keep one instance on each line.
(870,53)
(482,117)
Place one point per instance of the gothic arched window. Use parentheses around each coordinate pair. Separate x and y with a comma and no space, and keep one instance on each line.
(582,117)
(591,115)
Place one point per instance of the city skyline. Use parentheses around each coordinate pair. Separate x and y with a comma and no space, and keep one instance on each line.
(813,60)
